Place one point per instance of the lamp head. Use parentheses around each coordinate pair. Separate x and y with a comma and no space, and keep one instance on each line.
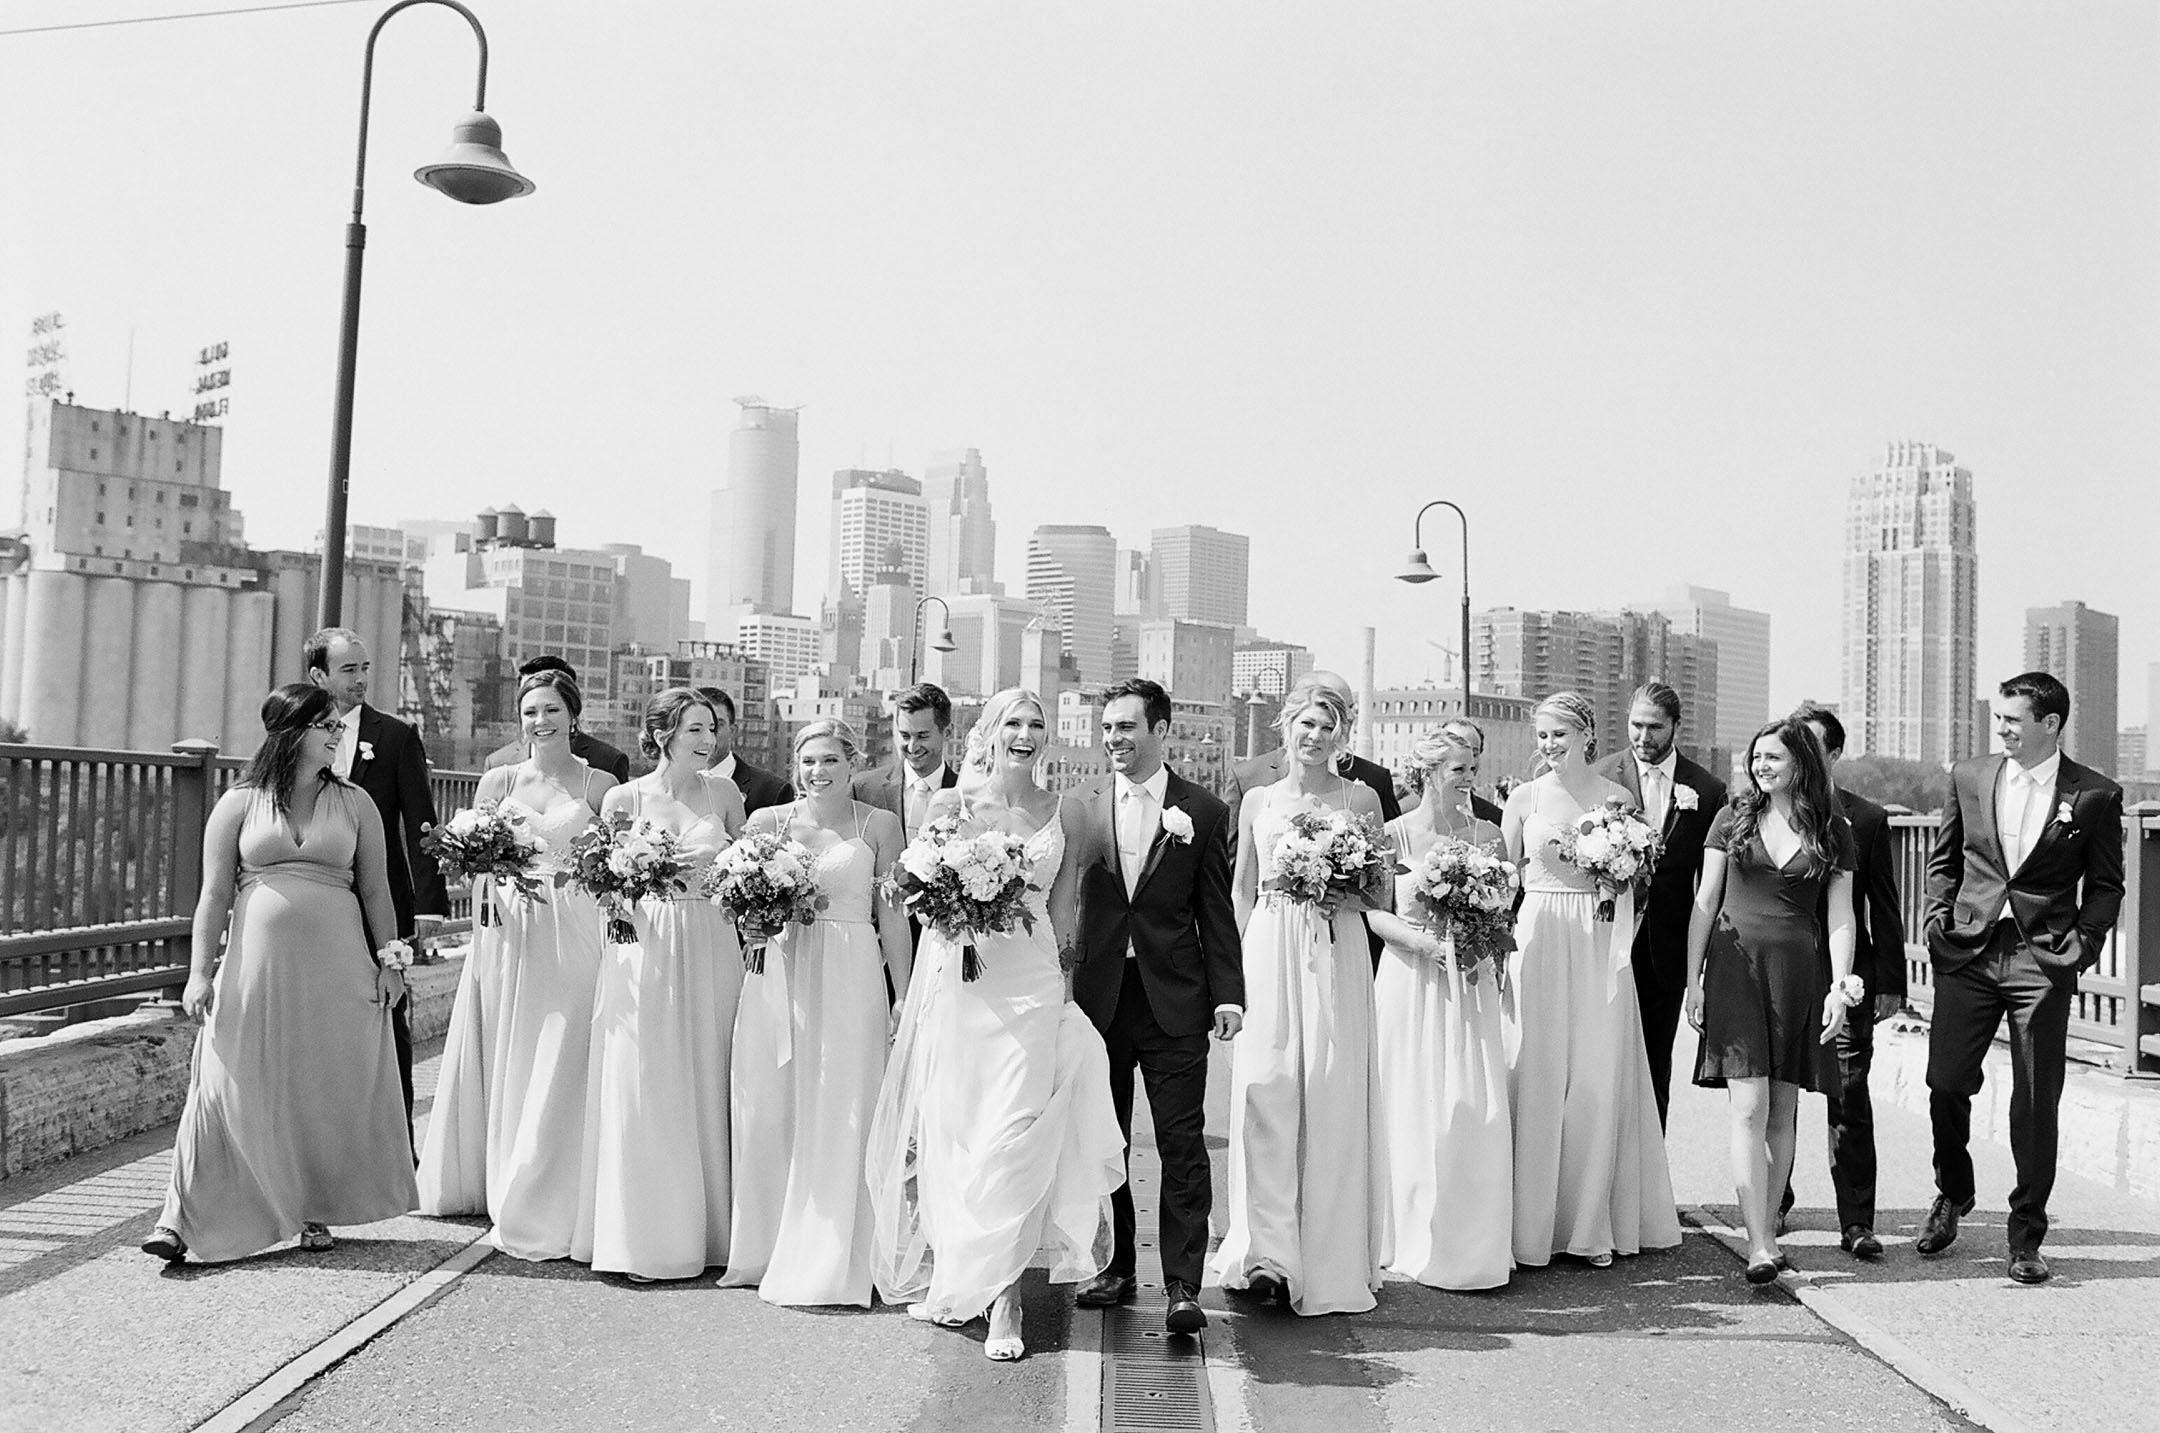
(944,642)
(474,169)
(1415,568)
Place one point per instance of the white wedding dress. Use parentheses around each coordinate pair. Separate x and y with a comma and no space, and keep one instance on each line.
(994,1139)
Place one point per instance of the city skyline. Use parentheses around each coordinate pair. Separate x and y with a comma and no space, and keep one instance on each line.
(1496,257)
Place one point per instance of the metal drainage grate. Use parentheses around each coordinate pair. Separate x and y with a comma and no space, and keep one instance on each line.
(1153,1381)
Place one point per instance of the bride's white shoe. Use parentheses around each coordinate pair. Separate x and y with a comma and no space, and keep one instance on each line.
(927,1315)
(1004,1344)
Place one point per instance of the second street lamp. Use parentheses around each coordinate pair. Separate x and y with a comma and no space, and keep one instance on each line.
(942,642)
(1416,569)
(473,170)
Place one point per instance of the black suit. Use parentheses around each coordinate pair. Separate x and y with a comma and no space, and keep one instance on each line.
(1660,954)
(2011,942)
(760,788)
(586,747)
(1267,769)
(1156,1004)
(391,766)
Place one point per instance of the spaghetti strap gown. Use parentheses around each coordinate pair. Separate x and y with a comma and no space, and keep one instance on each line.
(1590,1173)
(994,1138)
(294,1113)
(1443,1096)
(1308,1174)
(809,1055)
(656,1196)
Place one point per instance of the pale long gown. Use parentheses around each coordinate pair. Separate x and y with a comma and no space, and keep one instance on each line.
(655,1199)
(1308,1175)
(810,1038)
(1444,1109)
(454,1155)
(293,1114)
(1590,1174)
(994,1139)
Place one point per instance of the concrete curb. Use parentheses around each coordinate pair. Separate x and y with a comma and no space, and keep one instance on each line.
(87,1086)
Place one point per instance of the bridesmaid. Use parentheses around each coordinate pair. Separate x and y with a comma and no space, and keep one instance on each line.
(1590,1175)
(810,1043)
(1442,1060)
(551,949)
(294,1119)
(655,1201)
(1766,987)
(1308,1214)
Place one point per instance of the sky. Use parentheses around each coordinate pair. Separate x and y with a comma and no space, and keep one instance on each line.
(1641,287)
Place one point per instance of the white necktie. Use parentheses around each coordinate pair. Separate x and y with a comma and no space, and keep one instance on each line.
(348,750)
(916,802)
(2021,785)
(1132,829)
(1654,799)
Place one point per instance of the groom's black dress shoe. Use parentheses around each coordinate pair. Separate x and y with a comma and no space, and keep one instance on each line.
(1184,1314)
(2027,1267)
(1106,1291)
(1860,1242)
(1940,1230)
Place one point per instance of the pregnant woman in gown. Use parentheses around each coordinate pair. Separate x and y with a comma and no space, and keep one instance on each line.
(1766,987)
(994,1137)
(295,1120)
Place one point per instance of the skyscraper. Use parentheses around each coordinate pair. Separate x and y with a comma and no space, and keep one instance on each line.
(1603,656)
(960,553)
(2082,648)
(1912,603)
(1071,572)
(871,513)
(1743,659)
(1201,574)
(751,560)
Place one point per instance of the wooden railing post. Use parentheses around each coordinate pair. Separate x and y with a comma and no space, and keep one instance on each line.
(2138,938)
(194,792)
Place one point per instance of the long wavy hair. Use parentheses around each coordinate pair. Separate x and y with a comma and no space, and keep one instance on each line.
(1814,801)
(979,755)
(287,713)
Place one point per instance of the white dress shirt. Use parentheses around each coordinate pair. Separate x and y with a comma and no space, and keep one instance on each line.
(1657,787)
(726,767)
(348,745)
(915,797)
(2021,808)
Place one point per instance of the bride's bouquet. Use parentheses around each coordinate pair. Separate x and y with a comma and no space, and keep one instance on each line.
(1614,847)
(1466,894)
(964,886)
(487,840)
(1323,858)
(619,864)
(766,882)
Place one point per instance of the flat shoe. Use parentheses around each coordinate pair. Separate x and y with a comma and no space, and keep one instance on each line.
(317,1238)
(166,1244)
(1003,1350)
(1762,1271)
(1599,1261)
(924,1314)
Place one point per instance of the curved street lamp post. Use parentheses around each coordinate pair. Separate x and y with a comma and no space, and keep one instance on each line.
(1416,569)
(473,170)
(942,642)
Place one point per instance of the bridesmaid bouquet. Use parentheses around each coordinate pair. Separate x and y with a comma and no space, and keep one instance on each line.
(964,887)
(487,840)
(1323,858)
(766,882)
(619,864)
(1614,847)
(1467,894)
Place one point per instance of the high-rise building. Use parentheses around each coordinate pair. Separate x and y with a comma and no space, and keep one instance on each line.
(1134,594)
(960,553)
(785,644)
(2130,760)
(1201,574)
(990,639)
(1603,657)
(872,513)
(2082,648)
(553,601)
(652,604)
(751,559)
(1071,573)
(1269,668)
(1191,660)
(1743,659)
(1912,605)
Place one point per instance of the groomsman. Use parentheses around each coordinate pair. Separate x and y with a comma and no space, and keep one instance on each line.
(586,747)
(760,788)
(921,729)
(2024,884)
(1678,798)
(384,757)
(1470,734)
(1879,961)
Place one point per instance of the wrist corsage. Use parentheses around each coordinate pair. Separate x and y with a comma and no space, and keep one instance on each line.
(397,955)
(1849,992)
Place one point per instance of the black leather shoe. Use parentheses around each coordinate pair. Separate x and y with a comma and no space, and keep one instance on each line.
(2027,1267)
(1106,1291)
(1940,1230)
(1184,1314)
(1762,1271)
(1267,1287)
(1860,1242)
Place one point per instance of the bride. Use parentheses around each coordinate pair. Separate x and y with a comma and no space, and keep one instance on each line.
(994,1136)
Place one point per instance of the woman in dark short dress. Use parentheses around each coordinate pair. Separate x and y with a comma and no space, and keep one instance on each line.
(1768,984)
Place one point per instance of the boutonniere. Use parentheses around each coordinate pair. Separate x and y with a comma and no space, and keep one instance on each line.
(1177,825)
(2062,812)
(1685,798)
(367,751)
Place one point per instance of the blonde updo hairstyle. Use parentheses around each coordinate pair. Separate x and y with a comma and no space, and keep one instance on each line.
(829,729)
(1574,709)
(1435,749)
(664,718)
(1303,699)
(980,756)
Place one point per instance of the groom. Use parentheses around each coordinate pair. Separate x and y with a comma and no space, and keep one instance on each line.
(1158,967)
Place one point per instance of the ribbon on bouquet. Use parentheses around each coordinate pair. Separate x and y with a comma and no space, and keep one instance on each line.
(1620,952)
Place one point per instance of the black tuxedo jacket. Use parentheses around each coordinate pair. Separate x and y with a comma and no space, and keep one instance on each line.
(1178,921)
(2065,896)
(1267,769)
(760,788)
(587,748)
(1661,939)
(391,766)
(887,787)
(1878,920)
